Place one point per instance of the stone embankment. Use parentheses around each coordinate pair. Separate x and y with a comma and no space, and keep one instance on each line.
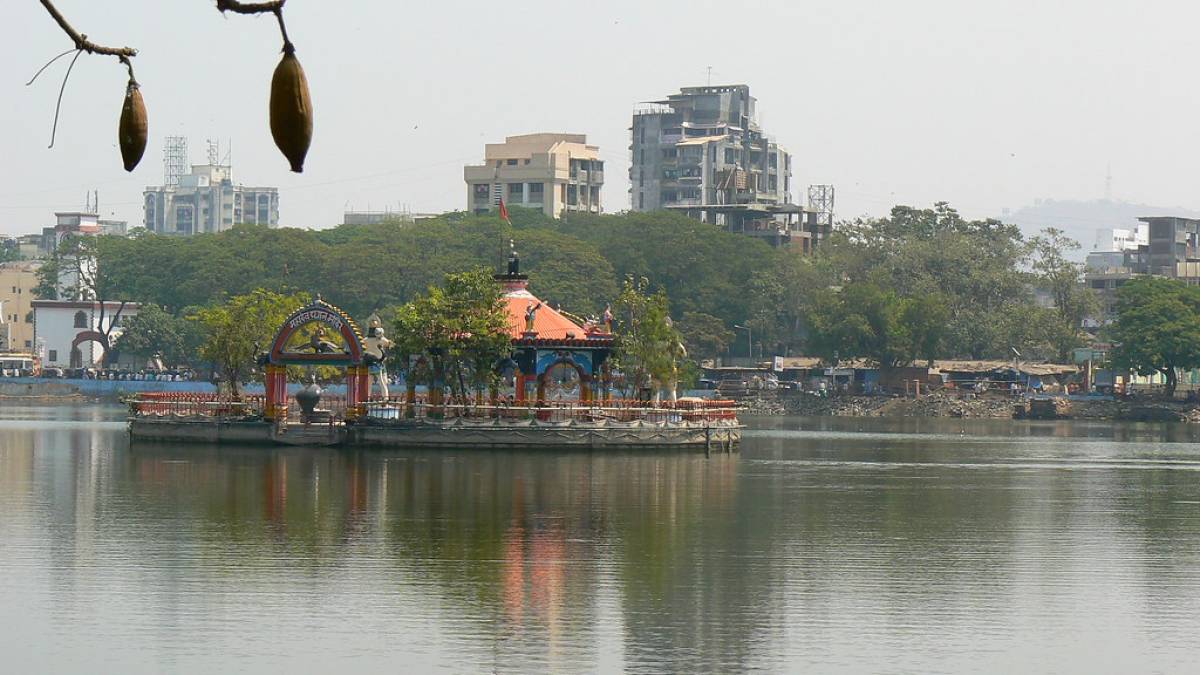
(952,403)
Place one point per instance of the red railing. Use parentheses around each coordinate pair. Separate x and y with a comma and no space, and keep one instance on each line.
(398,408)
(181,404)
(186,404)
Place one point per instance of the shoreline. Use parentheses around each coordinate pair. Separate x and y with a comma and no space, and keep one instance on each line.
(965,405)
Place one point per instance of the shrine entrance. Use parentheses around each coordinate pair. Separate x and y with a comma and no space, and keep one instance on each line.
(319,334)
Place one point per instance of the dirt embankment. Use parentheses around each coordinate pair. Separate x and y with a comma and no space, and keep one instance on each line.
(953,403)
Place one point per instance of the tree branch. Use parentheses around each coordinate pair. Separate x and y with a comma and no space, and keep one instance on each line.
(238,7)
(274,7)
(84,44)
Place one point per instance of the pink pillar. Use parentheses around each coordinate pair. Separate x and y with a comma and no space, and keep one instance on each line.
(351,387)
(364,384)
(281,395)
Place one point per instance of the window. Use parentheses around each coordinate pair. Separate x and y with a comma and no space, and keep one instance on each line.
(482,190)
(510,162)
(53,355)
(730,156)
(516,192)
(80,320)
(535,191)
(28,344)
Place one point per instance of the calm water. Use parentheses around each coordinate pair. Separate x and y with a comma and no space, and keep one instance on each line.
(824,546)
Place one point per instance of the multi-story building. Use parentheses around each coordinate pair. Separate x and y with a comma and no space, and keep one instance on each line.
(702,152)
(1173,243)
(554,173)
(1165,246)
(206,200)
(78,223)
(17,281)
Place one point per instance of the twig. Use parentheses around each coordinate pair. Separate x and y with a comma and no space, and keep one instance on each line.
(58,106)
(43,68)
(81,41)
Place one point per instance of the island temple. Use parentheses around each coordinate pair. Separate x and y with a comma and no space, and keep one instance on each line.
(555,358)
(556,391)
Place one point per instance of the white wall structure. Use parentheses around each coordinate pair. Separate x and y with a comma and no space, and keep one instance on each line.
(66,331)
(1110,239)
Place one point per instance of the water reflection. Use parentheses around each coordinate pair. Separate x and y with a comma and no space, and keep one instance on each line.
(897,547)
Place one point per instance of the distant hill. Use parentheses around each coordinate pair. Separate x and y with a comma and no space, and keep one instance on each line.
(1081,219)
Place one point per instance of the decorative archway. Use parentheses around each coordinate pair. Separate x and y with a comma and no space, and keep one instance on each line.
(349,355)
(548,366)
(87,336)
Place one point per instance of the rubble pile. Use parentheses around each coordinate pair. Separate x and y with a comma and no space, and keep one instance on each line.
(963,404)
(954,403)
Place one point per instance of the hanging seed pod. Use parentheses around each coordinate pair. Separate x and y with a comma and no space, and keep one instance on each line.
(291,109)
(134,126)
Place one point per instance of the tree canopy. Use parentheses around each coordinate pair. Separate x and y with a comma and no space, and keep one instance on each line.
(461,326)
(1157,329)
(238,330)
(917,284)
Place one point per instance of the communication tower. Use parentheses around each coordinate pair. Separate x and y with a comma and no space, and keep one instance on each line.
(175,159)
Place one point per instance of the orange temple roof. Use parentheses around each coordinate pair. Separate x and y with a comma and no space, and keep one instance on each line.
(547,323)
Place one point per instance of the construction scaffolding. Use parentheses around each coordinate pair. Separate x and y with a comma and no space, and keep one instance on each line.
(175,159)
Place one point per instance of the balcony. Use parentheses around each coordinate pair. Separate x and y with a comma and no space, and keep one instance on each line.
(593,177)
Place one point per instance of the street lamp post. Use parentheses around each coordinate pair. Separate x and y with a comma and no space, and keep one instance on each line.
(749,340)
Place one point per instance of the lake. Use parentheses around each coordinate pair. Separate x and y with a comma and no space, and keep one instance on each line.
(824,545)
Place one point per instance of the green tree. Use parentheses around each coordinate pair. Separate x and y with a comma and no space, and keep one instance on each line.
(1063,278)
(866,320)
(647,342)
(155,331)
(237,331)
(704,334)
(74,272)
(1157,329)
(9,253)
(462,325)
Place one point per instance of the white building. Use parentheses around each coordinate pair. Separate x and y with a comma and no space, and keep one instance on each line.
(1110,239)
(206,200)
(69,334)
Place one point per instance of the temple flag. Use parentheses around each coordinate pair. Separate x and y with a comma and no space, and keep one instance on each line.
(504,212)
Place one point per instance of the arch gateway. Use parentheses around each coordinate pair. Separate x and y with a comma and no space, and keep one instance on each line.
(318,334)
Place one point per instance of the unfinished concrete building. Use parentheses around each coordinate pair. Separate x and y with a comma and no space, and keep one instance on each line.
(702,152)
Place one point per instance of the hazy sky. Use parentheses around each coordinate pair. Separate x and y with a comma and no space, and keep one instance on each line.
(986,105)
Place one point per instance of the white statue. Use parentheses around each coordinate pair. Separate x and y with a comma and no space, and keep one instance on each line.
(678,355)
(376,347)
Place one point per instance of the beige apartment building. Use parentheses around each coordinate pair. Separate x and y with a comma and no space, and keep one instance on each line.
(17,281)
(555,173)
